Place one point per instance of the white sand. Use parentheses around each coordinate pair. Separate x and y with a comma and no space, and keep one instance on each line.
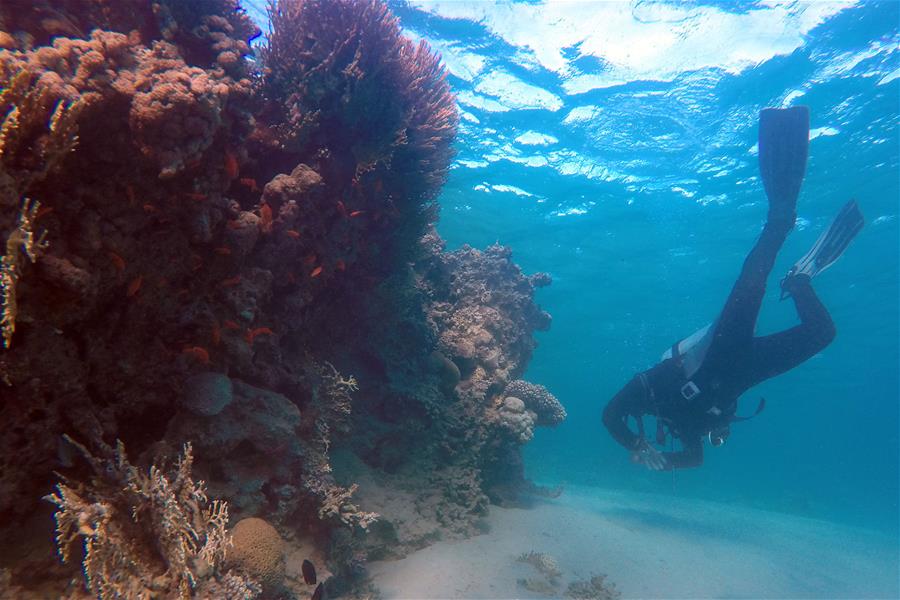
(653,547)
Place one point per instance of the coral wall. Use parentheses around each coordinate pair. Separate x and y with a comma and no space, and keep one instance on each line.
(213,244)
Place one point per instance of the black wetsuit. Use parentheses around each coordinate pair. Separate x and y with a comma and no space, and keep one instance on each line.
(735,361)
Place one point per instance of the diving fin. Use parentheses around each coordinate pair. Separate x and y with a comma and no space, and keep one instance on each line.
(783,150)
(832,243)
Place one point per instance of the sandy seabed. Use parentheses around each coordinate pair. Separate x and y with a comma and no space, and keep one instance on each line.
(653,547)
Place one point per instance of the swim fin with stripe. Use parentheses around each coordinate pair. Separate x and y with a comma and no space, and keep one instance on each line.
(832,243)
(783,150)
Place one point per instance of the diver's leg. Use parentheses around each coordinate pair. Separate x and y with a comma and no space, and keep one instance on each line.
(780,352)
(737,320)
(783,150)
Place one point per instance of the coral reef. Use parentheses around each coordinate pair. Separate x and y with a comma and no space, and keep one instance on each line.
(144,533)
(219,243)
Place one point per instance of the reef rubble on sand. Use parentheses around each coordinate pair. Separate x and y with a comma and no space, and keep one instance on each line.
(202,244)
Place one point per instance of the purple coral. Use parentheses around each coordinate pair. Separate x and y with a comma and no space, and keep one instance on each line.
(340,70)
(538,399)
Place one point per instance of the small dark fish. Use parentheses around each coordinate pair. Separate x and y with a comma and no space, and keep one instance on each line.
(319,594)
(309,573)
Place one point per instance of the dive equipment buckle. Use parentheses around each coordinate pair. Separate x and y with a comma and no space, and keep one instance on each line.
(689,390)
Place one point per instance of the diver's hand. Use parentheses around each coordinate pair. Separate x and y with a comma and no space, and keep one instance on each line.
(648,456)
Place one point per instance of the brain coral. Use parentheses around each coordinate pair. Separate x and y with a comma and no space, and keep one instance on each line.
(258,552)
(538,399)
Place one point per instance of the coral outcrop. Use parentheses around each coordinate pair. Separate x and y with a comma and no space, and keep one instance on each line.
(236,254)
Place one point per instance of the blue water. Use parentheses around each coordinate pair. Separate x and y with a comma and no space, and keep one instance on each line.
(612,145)
(642,197)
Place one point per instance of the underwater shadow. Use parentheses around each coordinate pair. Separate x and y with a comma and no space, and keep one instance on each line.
(647,518)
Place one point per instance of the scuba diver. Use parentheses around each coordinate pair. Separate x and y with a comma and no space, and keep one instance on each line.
(693,392)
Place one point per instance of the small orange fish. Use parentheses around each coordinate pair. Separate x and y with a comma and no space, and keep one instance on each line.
(309,260)
(196,262)
(134,286)
(216,335)
(117,261)
(229,324)
(342,210)
(293,234)
(196,196)
(232,168)
(249,183)
(129,191)
(199,354)
(265,218)
(234,224)
(356,213)
(316,272)
(223,250)
(149,208)
(339,265)
(231,281)
(252,333)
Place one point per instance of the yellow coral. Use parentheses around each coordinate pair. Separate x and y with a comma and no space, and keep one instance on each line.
(22,238)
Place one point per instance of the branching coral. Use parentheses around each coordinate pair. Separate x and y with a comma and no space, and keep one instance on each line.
(38,129)
(21,239)
(144,534)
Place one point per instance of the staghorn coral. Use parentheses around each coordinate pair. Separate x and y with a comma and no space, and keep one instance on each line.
(538,399)
(143,533)
(21,239)
(36,133)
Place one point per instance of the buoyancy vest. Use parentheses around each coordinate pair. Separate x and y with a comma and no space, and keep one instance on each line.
(688,355)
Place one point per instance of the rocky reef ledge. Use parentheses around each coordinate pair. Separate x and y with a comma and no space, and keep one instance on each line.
(232,340)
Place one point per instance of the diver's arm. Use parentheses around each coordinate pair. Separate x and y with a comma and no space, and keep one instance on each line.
(615,415)
(691,454)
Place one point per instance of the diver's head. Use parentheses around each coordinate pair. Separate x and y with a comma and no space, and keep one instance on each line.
(718,435)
